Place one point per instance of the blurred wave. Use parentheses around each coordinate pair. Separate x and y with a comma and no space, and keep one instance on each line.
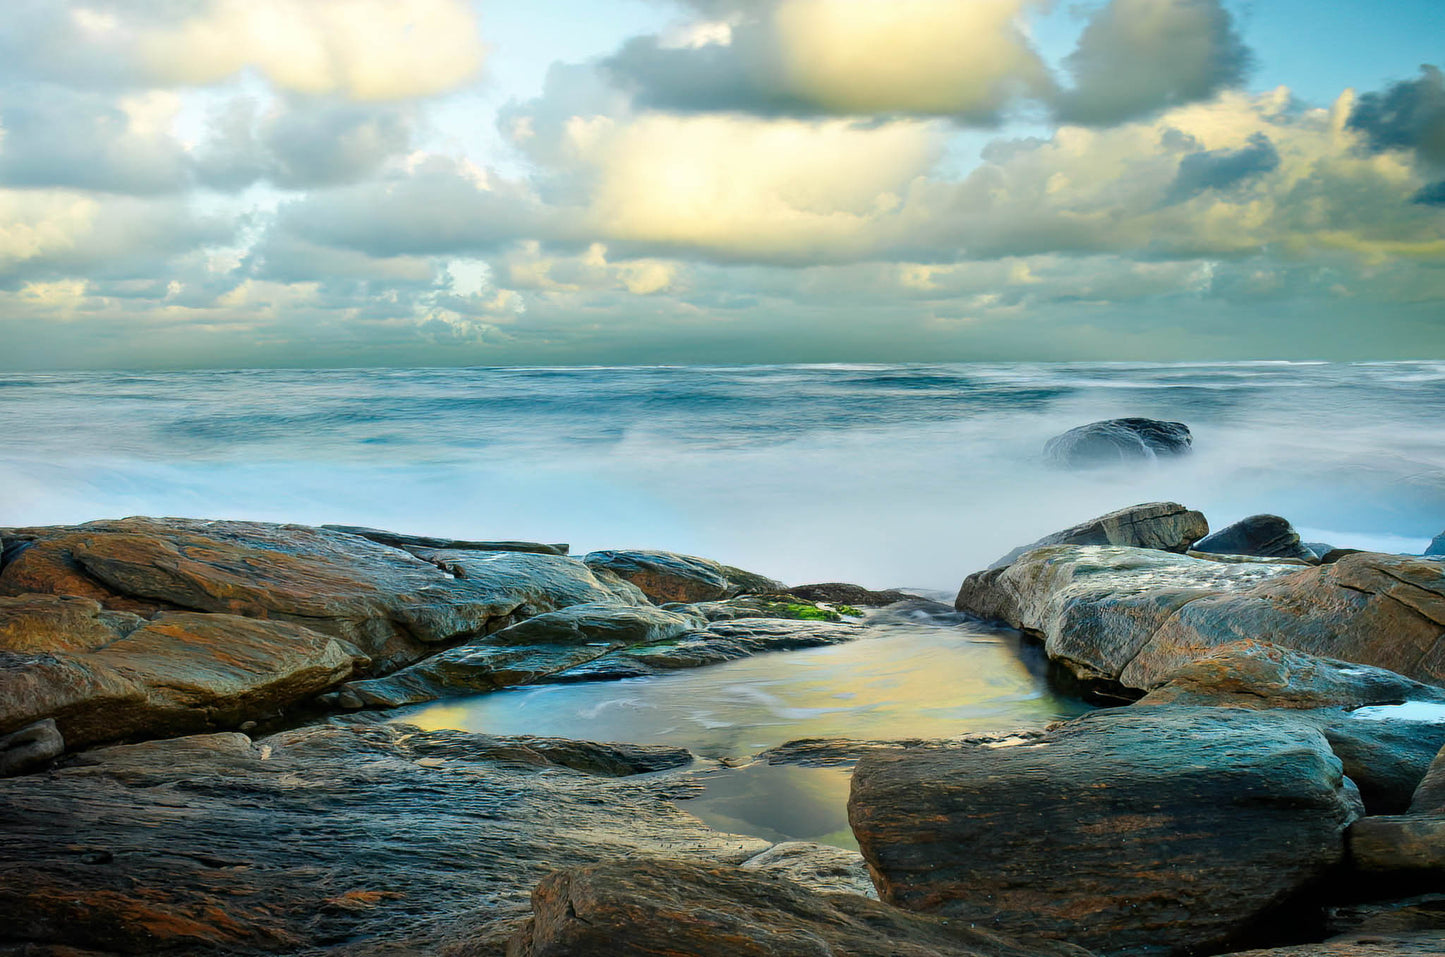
(881,474)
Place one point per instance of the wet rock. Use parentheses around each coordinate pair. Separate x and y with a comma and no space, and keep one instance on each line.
(651,907)
(669,577)
(31,748)
(842,593)
(1265,536)
(413,543)
(721,641)
(179,673)
(601,758)
(356,839)
(1115,441)
(1139,830)
(1253,674)
(468,669)
(819,867)
(1166,526)
(599,622)
(1387,759)
(1135,617)
(1430,794)
(1387,844)
(1418,943)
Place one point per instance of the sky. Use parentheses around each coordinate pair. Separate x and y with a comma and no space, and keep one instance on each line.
(337,183)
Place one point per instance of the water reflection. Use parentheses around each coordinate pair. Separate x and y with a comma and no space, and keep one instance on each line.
(905,680)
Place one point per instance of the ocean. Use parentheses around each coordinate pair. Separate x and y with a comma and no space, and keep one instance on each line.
(885,475)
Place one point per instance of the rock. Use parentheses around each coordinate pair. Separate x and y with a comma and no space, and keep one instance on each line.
(1265,536)
(1138,830)
(1394,844)
(1429,796)
(1387,759)
(669,577)
(536,583)
(1114,441)
(1419,943)
(179,673)
(31,748)
(388,603)
(1134,617)
(1436,546)
(603,759)
(655,907)
(468,669)
(1253,674)
(819,867)
(618,626)
(842,593)
(1166,526)
(414,543)
(362,839)
(762,606)
(721,641)
(1319,549)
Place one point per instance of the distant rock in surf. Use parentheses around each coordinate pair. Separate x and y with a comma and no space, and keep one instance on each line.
(1437,545)
(1115,441)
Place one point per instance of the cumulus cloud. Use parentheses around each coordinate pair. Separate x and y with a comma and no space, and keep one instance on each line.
(362,49)
(842,57)
(1136,57)
(1222,168)
(1409,115)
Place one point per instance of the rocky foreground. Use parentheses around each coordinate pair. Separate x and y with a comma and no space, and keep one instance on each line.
(189,729)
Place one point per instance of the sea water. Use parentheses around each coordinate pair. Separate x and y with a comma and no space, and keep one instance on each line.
(884,475)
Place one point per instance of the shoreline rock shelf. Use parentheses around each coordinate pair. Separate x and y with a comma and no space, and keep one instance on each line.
(1285,754)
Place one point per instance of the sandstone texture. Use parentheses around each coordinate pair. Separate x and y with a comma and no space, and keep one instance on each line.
(1166,526)
(668,576)
(1266,536)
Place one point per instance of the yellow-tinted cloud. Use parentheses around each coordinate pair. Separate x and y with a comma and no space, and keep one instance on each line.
(365,49)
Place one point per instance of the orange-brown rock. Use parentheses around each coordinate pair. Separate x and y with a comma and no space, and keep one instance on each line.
(648,908)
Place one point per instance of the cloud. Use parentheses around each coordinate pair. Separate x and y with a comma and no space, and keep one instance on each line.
(970,61)
(1222,168)
(361,49)
(1409,115)
(1137,57)
(301,142)
(59,137)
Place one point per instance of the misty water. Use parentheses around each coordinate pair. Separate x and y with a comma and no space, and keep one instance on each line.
(884,475)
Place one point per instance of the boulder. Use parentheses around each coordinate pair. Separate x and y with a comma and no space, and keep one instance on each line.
(669,577)
(653,907)
(1166,526)
(31,748)
(618,626)
(1429,796)
(391,605)
(367,839)
(1117,441)
(178,673)
(1436,546)
(1265,536)
(1408,844)
(1134,617)
(1138,830)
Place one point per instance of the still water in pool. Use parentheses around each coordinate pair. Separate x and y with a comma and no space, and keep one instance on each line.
(925,677)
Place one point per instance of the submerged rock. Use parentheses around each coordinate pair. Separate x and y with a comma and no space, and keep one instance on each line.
(1116,441)
(1265,536)
(354,839)
(670,577)
(644,908)
(1166,526)
(1146,831)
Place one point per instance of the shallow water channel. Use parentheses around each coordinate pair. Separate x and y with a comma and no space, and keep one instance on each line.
(908,677)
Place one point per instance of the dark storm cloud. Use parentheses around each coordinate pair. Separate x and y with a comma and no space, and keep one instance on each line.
(1137,57)
(1219,169)
(1432,195)
(1409,115)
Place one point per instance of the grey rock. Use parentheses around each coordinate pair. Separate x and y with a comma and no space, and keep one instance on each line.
(1117,441)
(670,577)
(1166,526)
(1265,536)
(424,542)
(842,593)
(1437,545)
(31,748)
(1140,831)
(599,622)
(820,867)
